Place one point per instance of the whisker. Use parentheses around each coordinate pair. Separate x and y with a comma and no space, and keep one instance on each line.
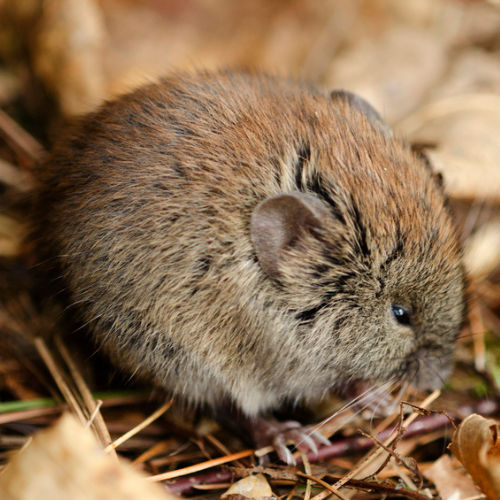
(359,397)
(429,365)
(378,405)
(81,327)
(399,396)
(352,403)
(75,303)
(404,387)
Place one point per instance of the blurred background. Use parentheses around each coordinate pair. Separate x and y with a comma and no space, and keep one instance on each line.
(431,67)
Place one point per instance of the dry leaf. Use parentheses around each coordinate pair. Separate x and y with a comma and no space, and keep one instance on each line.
(466,130)
(250,487)
(473,70)
(11,236)
(68,53)
(450,482)
(476,443)
(65,462)
(482,250)
(414,59)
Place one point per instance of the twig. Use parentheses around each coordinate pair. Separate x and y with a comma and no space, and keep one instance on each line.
(353,444)
(399,459)
(371,457)
(400,432)
(406,479)
(322,483)
(28,149)
(382,488)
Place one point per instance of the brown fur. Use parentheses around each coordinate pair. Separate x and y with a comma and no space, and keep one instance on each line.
(148,204)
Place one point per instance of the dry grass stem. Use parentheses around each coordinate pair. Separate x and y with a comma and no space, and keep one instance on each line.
(178,457)
(404,477)
(307,470)
(292,492)
(98,423)
(212,486)
(17,416)
(97,409)
(202,466)
(138,428)
(158,448)
(221,447)
(478,329)
(59,379)
(12,176)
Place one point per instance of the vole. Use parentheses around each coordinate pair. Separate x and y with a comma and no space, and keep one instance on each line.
(239,237)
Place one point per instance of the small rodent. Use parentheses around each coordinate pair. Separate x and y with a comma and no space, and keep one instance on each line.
(236,236)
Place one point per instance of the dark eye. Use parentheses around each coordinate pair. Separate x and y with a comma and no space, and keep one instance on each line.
(402,314)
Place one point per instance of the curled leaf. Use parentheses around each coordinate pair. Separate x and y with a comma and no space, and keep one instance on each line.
(476,443)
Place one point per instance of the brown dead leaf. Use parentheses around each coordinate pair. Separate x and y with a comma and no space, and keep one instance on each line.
(66,462)
(68,53)
(466,129)
(473,70)
(476,443)
(250,487)
(450,482)
(482,250)
(413,57)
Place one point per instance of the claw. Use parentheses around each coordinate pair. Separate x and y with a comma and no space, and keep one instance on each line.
(320,439)
(284,454)
(305,442)
(279,434)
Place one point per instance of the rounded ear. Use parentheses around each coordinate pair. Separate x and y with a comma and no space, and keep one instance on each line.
(279,222)
(355,101)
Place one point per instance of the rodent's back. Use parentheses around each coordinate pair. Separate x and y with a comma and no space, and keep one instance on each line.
(149,202)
